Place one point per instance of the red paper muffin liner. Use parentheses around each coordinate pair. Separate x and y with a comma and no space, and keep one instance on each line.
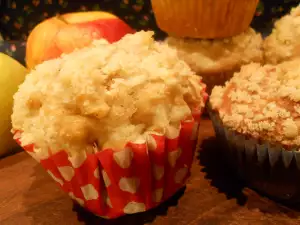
(113,183)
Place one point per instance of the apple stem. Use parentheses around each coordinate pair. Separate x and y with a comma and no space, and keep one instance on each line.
(59,17)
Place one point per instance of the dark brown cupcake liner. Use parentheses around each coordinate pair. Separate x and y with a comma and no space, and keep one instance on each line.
(214,79)
(268,168)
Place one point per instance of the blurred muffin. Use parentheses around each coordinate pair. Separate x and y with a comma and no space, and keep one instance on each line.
(257,115)
(204,18)
(104,120)
(284,41)
(216,60)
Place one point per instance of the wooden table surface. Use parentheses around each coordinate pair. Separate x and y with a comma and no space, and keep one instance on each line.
(212,196)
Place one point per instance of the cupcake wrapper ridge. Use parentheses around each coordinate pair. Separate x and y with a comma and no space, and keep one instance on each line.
(268,168)
(113,183)
(197,18)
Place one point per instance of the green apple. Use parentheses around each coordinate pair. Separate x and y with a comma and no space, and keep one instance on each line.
(12,74)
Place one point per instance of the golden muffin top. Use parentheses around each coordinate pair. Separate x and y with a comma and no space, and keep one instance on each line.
(284,42)
(105,95)
(219,55)
(262,101)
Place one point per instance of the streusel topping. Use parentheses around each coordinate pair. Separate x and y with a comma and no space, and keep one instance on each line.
(262,101)
(219,55)
(284,42)
(106,95)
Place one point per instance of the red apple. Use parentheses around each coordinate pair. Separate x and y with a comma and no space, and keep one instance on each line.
(64,33)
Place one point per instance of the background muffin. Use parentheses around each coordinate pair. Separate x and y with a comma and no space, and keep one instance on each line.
(216,60)
(284,42)
(203,18)
(95,117)
(257,115)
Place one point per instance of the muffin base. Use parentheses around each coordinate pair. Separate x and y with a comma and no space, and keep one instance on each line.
(112,183)
(181,18)
(267,168)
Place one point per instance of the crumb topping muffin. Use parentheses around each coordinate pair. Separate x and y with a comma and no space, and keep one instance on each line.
(263,102)
(105,95)
(284,42)
(219,55)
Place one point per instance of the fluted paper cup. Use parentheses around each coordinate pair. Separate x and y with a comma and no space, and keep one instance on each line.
(113,183)
(204,18)
(269,168)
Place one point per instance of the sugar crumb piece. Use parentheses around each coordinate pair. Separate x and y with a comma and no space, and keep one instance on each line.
(290,129)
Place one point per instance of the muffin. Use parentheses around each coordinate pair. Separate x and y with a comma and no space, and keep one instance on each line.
(216,60)
(204,18)
(284,42)
(256,115)
(115,125)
